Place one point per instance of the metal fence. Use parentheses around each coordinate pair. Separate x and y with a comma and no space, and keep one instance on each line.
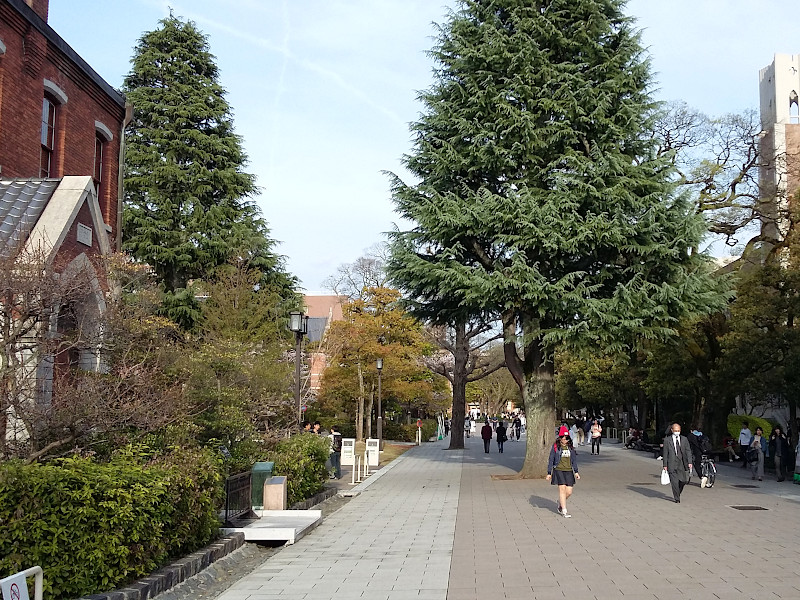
(238,500)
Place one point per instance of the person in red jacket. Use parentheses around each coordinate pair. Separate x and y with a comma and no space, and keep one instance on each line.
(486,435)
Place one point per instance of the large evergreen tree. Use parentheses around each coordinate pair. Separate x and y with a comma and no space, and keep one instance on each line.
(188,206)
(541,197)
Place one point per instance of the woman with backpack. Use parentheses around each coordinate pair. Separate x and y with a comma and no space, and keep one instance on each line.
(562,469)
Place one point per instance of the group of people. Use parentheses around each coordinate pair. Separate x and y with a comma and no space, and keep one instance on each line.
(755,449)
(679,455)
(335,446)
(501,433)
(585,431)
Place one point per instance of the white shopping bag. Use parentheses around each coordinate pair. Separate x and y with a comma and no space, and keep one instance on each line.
(664,478)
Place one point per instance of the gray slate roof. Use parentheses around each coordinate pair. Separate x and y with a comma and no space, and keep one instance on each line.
(21,204)
(316,328)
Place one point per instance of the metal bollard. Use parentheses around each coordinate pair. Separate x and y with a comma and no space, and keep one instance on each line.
(366,464)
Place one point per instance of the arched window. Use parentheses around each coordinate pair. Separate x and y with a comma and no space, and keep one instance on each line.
(794,109)
(49,119)
(102,135)
(99,144)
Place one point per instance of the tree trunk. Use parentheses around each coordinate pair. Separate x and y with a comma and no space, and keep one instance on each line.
(540,411)
(360,410)
(461,356)
(369,411)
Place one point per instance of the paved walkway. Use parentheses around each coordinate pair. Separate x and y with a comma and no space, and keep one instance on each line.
(437,526)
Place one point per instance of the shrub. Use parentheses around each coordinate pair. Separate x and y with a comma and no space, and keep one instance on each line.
(93,527)
(408,433)
(736,424)
(301,458)
(346,428)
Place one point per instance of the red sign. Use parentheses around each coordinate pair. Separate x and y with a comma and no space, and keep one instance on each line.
(14,591)
(419,422)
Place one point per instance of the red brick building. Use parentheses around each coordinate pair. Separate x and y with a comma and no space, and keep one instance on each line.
(58,117)
(61,145)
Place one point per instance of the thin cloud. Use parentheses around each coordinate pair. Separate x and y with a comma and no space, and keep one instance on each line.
(286,52)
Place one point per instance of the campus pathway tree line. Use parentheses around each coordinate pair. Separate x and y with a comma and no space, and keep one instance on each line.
(551,258)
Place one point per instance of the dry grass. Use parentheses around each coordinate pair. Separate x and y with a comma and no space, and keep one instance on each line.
(390,451)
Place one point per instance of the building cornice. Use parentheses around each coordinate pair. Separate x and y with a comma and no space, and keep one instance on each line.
(50,34)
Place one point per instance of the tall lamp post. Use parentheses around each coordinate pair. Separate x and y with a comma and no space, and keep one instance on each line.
(298,322)
(379,365)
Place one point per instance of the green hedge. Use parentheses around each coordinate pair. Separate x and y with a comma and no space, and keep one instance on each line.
(301,458)
(93,527)
(346,428)
(408,433)
(735,425)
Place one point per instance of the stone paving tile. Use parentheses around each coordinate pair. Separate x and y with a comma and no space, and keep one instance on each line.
(626,538)
(392,542)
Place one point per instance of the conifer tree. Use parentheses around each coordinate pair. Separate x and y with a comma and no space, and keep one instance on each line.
(188,206)
(540,194)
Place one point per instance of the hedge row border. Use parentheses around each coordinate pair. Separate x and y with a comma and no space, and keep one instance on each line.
(174,573)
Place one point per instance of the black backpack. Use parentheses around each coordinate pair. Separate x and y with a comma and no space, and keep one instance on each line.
(337,442)
(705,445)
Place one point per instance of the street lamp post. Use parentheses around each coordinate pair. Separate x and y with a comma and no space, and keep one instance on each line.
(379,365)
(298,323)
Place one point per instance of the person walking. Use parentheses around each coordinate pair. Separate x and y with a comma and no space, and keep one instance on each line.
(501,436)
(467,426)
(336,452)
(758,444)
(744,442)
(779,450)
(486,435)
(597,436)
(677,457)
(517,424)
(562,469)
(587,430)
(580,423)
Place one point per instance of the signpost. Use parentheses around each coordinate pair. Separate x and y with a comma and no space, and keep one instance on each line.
(15,587)
(348,451)
(373,452)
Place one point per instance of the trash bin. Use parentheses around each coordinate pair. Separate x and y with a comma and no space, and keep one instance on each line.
(260,473)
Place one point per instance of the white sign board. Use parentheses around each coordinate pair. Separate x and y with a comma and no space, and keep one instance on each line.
(348,451)
(373,452)
(14,587)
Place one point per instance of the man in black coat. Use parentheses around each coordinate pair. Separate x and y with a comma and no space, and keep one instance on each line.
(677,459)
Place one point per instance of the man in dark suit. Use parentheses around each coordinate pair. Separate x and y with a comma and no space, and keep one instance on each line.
(677,460)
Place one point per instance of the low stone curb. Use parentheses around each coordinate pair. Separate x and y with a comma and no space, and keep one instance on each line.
(174,573)
(314,500)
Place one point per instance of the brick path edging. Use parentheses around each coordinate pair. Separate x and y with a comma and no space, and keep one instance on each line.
(174,573)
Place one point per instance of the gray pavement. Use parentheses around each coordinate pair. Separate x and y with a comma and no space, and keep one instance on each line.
(437,526)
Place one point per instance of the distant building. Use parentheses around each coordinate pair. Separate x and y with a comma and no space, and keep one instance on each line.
(61,143)
(779,177)
(322,310)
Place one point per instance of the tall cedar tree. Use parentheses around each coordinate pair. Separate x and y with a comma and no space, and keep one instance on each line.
(187,207)
(541,197)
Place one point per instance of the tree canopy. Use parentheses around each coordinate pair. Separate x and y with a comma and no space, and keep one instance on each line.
(188,199)
(541,196)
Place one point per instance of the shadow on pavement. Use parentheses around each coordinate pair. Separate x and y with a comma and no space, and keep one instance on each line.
(649,492)
(540,502)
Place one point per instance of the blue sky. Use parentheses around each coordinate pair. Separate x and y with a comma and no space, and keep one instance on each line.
(323,90)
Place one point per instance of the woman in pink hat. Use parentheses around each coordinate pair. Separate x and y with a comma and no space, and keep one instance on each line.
(562,469)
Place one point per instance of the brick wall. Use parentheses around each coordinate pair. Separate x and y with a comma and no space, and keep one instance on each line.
(30,59)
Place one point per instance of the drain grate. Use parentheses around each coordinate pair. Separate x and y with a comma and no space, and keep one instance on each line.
(745,485)
(748,507)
